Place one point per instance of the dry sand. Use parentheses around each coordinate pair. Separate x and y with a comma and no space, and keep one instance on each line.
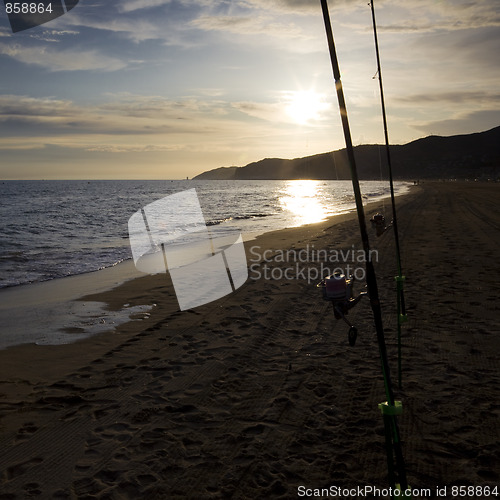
(259,393)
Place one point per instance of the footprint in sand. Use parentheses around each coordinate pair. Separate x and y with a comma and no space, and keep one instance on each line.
(19,469)
(26,430)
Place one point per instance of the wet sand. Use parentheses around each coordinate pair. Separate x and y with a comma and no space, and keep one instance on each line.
(259,393)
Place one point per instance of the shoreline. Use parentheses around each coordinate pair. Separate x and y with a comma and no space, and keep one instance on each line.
(258,393)
(59,306)
(275,219)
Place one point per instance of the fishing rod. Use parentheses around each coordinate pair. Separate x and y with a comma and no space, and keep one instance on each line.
(390,408)
(401,308)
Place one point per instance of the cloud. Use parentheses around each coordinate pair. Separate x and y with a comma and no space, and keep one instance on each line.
(53,59)
(461,61)
(134,148)
(418,17)
(272,112)
(462,123)
(152,125)
(210,92)
(55,36)
(12,105)
(249,25)
(20,144)
(426,16)
(158,107)
(41,117)
(37,119)
(292,6)
(135,29)
(474,97)
(133,5)
(179,23)
(137,26)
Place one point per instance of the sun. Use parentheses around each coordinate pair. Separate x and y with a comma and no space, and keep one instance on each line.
(304,106)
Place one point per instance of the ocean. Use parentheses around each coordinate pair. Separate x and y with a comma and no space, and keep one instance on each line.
(53,229)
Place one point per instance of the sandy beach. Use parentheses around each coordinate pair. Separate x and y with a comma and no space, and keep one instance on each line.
(259,394)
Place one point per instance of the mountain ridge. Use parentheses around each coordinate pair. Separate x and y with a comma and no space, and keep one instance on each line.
(475,155)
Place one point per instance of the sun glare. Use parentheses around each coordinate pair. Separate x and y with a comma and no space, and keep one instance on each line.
(300,200)
(304,106)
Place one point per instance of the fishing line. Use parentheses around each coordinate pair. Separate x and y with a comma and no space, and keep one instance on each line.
(390,408)
(401,307)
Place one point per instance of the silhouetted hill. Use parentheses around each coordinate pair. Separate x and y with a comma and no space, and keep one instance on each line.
(221,173)
(459,156)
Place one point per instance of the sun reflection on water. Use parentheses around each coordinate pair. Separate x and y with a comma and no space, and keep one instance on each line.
(301,199)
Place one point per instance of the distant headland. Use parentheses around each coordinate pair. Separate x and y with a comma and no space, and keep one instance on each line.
(470,156)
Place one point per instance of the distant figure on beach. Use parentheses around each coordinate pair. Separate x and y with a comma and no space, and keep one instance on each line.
(378,222)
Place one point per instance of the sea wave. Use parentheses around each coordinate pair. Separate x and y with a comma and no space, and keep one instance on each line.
(51,229)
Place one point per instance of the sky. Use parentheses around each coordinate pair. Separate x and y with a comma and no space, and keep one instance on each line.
(167,89)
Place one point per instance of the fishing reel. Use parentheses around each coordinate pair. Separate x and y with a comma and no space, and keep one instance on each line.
(338,290)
